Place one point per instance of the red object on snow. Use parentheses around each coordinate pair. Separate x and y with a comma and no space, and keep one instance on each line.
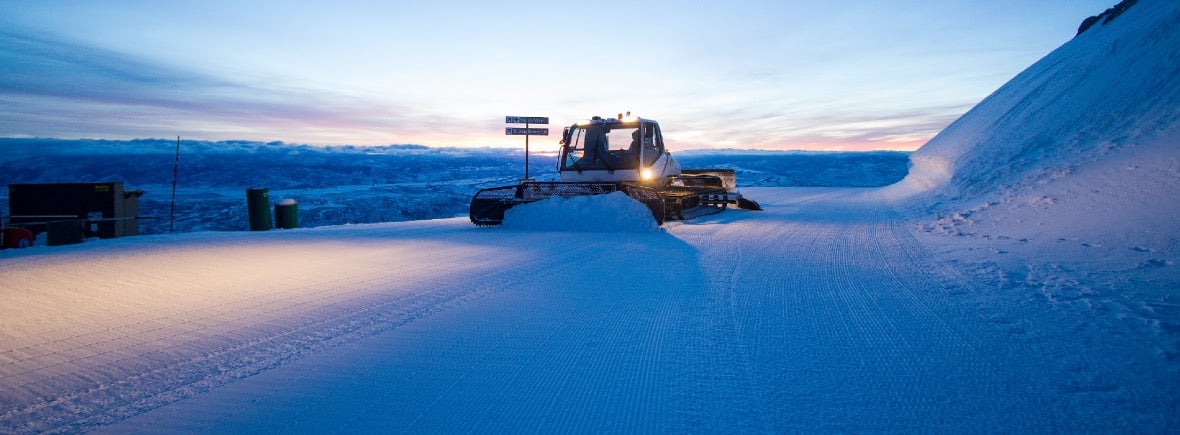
(17,238)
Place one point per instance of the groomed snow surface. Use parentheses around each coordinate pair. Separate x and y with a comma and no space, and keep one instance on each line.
(1021,279)
(822,313)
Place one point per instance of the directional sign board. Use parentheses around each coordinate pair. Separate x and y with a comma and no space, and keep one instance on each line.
(515,131)
(526,120)
(526,132)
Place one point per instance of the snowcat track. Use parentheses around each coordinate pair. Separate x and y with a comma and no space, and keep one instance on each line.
(672,203)
(683,203)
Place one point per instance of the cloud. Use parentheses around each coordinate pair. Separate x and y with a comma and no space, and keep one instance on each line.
(836,128)
(57,87)
(39,66)
(62,88)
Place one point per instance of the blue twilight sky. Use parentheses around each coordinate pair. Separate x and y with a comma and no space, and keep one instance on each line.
(841,75)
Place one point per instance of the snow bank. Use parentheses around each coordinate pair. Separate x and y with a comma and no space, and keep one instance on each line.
(615,212)
(1113,87)
(1078,152)
(1061,187)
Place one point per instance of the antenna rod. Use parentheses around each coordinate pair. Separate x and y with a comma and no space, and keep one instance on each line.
(172,211)
(526,152)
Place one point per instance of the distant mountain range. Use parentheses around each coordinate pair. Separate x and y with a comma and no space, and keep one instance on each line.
(348,184)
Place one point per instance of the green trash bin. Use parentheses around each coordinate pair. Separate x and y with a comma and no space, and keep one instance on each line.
(287,214)
(67,232)
(258,205)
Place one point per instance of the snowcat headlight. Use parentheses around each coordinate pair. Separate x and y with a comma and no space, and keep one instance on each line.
(646,174)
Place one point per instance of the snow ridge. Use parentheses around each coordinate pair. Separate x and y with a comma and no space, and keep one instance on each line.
(1114,86)
(1059,191)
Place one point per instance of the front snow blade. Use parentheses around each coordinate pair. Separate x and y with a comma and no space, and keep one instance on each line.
(682,203)
(748,204)
(488,205)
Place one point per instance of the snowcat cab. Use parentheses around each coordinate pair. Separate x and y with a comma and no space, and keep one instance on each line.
(616,150)
(624,154)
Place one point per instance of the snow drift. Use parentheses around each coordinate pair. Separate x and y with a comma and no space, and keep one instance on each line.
(1113,89)
(1062,185)
(1078,152)
(615,212)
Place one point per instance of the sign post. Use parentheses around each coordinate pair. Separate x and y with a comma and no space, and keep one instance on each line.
(526,132)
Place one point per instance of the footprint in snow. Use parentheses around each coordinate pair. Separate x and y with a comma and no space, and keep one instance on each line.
(1154,263)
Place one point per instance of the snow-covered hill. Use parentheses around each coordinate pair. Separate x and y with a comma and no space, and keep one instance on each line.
(1066,180)
(1086,139)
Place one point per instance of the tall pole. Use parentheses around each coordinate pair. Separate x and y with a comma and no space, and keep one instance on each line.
(526,152)
(172,211)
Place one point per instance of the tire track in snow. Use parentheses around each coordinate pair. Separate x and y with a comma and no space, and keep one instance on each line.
(846,326)
(135,364)
(555,350)
(172,373)
(889,345)
(152,382)
(61,335)
(719,367)
(597,367)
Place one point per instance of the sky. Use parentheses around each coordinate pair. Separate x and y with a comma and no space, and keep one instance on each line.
(830,75)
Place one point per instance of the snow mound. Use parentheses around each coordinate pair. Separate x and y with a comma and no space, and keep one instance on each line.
(1062,185)
(615,212)
(1079,149)
(1114,88)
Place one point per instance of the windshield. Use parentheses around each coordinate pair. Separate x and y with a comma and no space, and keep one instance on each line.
(614,145)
